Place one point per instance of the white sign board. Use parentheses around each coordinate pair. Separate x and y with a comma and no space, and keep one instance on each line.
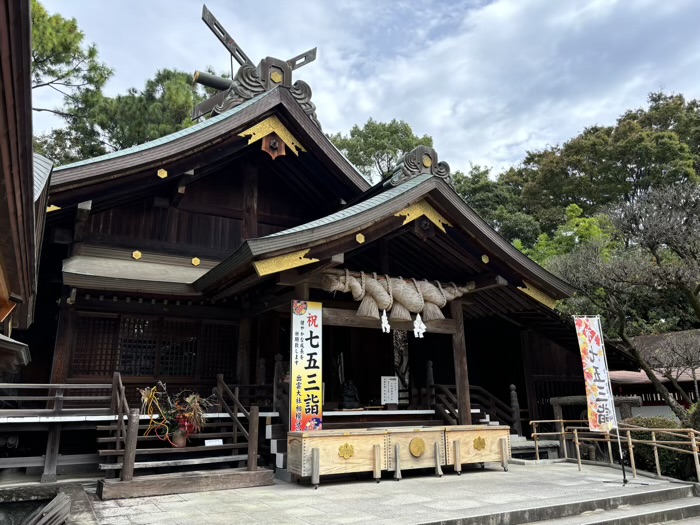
(213,442)
(390,390)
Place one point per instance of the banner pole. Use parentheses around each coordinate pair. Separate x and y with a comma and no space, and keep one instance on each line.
(612,394)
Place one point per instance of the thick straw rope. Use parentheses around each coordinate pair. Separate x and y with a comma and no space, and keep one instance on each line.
(402,297)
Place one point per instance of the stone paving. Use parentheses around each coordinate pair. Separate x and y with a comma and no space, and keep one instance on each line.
(415,499)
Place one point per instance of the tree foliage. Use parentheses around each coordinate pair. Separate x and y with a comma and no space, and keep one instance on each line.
(498,204)
(377,146)
(95,123)
(650,282)
(60,58)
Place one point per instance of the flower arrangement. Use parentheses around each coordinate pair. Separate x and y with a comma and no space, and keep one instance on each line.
(173,418)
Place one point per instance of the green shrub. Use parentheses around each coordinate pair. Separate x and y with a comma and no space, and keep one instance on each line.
(673,464)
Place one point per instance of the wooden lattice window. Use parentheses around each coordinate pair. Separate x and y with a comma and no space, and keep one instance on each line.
(153,347)
(138,341)
(178,348)
(219,341)
(95,346)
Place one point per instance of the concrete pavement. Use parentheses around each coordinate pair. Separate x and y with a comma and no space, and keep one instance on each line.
(416,499)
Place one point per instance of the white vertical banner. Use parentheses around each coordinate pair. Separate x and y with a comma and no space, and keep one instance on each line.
(306,363)
(599,394)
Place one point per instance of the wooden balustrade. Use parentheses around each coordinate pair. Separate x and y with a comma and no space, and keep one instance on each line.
(578,433)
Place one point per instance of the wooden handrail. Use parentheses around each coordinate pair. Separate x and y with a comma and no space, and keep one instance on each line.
(566,429)
(64,386)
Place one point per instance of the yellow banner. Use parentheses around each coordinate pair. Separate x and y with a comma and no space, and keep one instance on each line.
(306,381)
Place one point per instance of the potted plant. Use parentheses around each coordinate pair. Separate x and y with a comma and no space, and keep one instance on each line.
(173,418)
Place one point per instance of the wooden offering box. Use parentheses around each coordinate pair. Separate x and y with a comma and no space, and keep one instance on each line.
(410,448)
(478,444)
(339,452)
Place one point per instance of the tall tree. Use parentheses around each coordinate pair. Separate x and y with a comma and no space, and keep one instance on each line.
(651,282)
(162,107)
(63,62)
(497,203)
(603,165)
(377,146)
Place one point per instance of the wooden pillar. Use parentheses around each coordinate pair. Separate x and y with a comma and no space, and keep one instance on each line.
(243,357)
(51,459)
(250,202)
(459,350)
(65,340)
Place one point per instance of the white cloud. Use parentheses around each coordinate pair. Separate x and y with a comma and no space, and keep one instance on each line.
(488,81)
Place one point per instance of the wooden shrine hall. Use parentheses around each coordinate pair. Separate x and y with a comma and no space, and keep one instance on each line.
(177,260)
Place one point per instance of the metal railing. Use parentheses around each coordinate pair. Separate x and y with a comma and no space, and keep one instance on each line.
(626,438)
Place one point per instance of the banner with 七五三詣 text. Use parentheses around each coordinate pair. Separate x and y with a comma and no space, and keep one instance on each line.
(306,384)
(599,395)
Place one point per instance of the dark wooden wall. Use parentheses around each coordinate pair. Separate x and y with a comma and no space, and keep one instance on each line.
(209,216)
(551,371)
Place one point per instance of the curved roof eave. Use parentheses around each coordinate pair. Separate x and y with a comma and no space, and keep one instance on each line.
(377,208)
(175,146)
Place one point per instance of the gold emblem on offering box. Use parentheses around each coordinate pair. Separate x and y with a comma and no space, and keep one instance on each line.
(479,443)
(276,77)
(416,447)
(346,451)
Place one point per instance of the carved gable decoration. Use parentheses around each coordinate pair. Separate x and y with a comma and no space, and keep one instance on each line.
(250,81)
(422,160)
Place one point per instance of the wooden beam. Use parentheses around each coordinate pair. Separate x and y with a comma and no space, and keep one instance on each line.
(178,195)
(65,340)
(250,202)
(459,350)
(244,348)
(81,216)
(349,318)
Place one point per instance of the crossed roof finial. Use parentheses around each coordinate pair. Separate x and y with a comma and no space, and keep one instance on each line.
(250,80)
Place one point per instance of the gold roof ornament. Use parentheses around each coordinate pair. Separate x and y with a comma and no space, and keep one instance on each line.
(423,209)
(360,238)
(136,255)
(485,259)
(276,77)
(196,261)
(162,173)
(51,208)
(272,125)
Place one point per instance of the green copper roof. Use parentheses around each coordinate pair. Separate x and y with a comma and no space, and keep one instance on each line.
(370,203)
(167,138)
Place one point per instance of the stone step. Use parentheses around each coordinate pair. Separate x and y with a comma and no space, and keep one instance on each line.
(660,512)
(656,503)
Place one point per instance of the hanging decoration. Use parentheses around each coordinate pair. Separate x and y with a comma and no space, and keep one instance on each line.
(401,297)
(419,327)
(385,323)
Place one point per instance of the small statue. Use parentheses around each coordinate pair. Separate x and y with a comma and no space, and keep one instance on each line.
(350,397)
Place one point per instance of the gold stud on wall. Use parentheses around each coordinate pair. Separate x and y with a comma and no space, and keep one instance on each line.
(360,238)
(136,255)
(196,261)
(485,259)
(162,173)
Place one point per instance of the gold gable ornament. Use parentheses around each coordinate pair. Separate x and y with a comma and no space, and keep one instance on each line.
(283,262)
(272,125)
(423,209)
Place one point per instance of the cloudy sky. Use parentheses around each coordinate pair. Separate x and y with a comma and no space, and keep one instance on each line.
(488,80)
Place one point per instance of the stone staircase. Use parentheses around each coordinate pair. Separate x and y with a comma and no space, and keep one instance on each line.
(674,504)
